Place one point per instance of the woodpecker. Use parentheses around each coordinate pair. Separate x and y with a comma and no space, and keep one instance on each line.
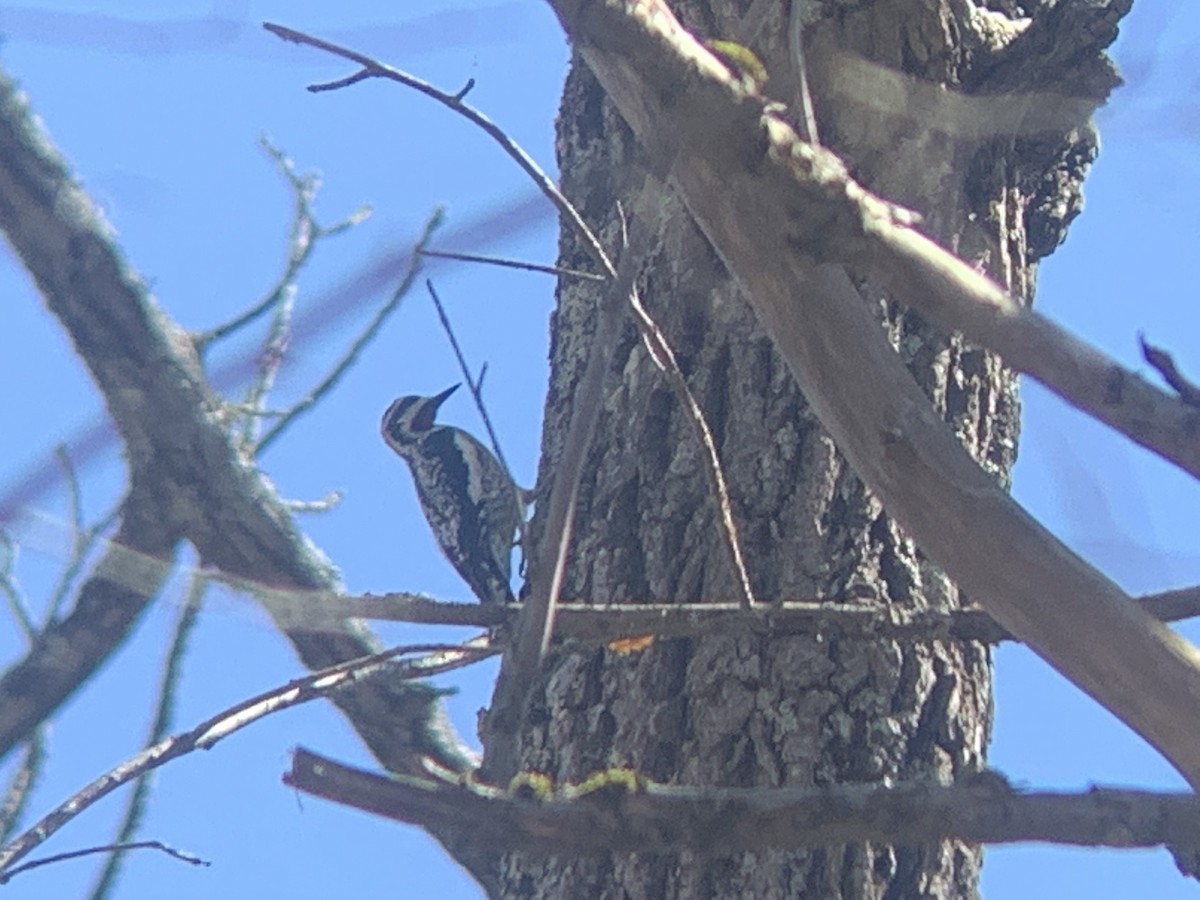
(471,504)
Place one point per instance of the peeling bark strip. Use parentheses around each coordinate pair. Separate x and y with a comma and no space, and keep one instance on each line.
(762,710)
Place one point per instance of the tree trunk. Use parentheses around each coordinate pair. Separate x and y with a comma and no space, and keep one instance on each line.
(799,710)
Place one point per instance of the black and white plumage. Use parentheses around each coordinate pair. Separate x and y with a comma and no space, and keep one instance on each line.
(471,504)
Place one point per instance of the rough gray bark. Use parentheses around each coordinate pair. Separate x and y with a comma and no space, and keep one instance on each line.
(808,709)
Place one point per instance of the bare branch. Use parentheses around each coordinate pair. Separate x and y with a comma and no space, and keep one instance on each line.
(84,539)
(515,264)
(113,849)
(329,382)
(474,385)
(608,622)
(10,587)
(305,233)
(374,69)
(616,813)
(662,354)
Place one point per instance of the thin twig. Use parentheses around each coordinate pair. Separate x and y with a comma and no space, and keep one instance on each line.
(516,264)
(302,240)
(439,658)
(82,544)
(475,386)
(359,344)
(375,69)
(114,849)
(270,358)
(535,623)
(664,357)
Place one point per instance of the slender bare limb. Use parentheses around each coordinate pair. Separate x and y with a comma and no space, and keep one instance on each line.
(604,623)
(535,624)
(373,69)
(516,264)
(330,381)
(83,539)
(305,233)
(10,587)
(438,658)
(474,384)
(113,849)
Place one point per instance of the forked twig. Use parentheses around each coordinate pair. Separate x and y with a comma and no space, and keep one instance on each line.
(301,242)
(359,344)
(474,384)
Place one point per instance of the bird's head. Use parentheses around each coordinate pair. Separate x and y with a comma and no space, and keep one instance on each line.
(410,418)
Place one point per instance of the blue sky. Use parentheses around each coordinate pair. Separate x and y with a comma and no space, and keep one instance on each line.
(162,123)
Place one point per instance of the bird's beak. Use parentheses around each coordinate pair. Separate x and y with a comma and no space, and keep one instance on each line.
(423,420)
(438,399)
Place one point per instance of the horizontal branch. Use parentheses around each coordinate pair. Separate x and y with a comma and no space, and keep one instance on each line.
(609,622)
(618,812)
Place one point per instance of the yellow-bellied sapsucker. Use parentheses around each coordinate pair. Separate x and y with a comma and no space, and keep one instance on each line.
(471,504)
